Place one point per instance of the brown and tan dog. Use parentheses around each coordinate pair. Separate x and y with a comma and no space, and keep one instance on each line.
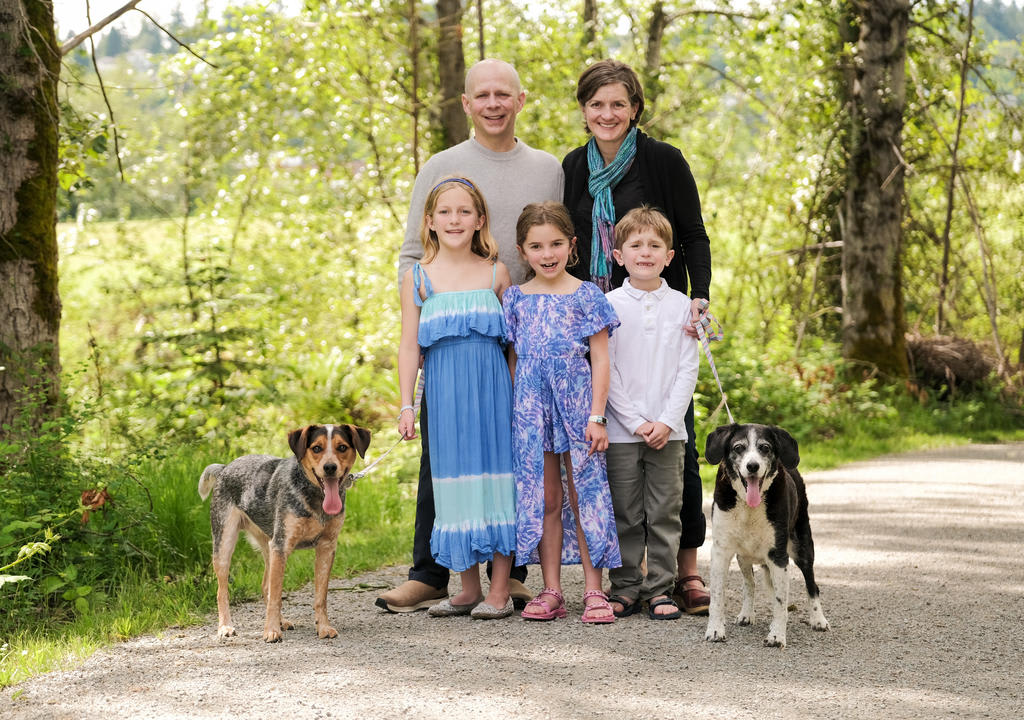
(283,504)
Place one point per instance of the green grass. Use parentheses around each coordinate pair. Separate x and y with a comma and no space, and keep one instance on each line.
(909,426)
(175,586)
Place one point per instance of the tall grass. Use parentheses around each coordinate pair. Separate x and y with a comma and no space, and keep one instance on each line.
(164,577)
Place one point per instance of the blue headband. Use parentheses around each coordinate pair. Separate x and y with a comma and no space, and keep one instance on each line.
(467,183)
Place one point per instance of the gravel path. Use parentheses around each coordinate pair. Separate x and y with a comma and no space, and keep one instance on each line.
(919,563)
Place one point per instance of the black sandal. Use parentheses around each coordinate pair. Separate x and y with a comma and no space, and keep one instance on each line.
(629,607)
(667,616)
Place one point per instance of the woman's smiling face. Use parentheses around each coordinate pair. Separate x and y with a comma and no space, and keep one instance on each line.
(609,114)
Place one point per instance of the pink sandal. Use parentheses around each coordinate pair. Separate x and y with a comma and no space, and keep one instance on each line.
(601,604)
(546,611)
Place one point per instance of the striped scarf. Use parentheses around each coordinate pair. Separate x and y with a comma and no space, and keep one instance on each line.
(602,180)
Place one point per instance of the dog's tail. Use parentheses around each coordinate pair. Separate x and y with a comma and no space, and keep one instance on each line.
(208,478)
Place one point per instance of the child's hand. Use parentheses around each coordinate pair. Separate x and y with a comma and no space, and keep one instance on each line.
(597,435)
(644,429)
(407,424)
(656,436)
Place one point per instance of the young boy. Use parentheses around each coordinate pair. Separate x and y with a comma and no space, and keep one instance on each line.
(653,374)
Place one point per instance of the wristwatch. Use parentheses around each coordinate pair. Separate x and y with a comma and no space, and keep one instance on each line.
(599,419)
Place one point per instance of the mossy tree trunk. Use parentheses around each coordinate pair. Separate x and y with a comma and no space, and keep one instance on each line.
(873,313)
(29,300)
(451,72)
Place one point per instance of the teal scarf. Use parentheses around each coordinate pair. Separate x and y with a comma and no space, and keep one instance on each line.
(602,180)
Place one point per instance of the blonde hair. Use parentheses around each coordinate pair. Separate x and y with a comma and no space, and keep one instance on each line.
(483,243)
(643,218)
(550,213)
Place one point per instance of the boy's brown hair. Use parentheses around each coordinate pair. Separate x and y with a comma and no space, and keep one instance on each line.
(643,218)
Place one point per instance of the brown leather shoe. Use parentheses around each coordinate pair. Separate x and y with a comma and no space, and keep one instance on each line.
(410,596)
(693,601)
(519,593)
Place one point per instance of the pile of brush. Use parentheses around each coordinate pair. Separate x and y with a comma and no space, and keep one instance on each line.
(948,364)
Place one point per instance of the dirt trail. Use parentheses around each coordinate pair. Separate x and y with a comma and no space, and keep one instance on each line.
(919,563)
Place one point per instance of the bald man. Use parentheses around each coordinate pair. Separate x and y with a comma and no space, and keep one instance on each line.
(511,175)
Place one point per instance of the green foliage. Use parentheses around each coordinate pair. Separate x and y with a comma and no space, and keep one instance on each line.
(242,281)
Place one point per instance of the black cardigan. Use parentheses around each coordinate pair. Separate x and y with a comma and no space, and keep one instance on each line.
(668,186)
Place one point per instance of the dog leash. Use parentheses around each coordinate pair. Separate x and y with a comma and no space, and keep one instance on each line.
(352,477)
(706,333)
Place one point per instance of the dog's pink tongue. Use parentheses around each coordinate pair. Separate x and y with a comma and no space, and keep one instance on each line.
(332,499)
(753,494)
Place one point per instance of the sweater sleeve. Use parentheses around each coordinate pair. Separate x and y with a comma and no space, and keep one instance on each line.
(412,246)
(678,190)
(576,174)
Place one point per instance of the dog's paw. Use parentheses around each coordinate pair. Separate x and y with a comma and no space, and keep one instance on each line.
(818,622)
(745,619)
(816,618)
(285,625)
(775,639)
(272,635)
(326,632)
(225,631)
(715,634)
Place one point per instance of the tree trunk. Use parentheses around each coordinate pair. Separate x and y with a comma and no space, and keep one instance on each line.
(873,314)
(414,71)
(29,301)
(451,71)
(940,313)
(589,23)
(652,57)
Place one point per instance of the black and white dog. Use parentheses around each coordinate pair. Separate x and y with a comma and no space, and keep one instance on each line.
(759,515)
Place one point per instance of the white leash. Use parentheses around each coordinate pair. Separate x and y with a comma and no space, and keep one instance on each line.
(352,477)
(706,333)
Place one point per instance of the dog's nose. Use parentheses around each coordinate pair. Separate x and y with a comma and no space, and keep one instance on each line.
(753,467)
(331,468)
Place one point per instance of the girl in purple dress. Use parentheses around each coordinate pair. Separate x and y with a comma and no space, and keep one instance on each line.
(553,321)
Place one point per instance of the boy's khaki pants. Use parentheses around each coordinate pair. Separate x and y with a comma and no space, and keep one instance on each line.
(647,495)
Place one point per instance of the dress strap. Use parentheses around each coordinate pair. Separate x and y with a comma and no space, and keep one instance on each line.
(417,272)
(494,275)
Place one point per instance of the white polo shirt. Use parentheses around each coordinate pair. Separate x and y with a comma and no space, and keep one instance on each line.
(654,363)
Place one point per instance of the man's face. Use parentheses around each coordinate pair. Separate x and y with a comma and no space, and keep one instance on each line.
(493,99)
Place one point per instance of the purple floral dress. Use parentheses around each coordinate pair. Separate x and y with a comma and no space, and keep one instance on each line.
(551,403)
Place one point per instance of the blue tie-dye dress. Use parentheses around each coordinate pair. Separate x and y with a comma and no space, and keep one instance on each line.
(552,399)
(469,403)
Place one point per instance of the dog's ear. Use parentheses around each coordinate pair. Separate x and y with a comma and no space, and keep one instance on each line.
(298,441)
(359,437)
(714,448)
(789,454)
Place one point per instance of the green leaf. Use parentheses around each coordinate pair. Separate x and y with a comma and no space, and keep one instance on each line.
(82,605)
(52,583)
(99,144)
(20,525)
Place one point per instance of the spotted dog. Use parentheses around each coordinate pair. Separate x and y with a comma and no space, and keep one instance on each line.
(283,504)
(759,515)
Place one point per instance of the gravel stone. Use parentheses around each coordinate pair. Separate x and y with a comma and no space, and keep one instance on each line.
(919,564)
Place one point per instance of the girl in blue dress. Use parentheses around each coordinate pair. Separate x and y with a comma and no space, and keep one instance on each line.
(451,314)
(553,321)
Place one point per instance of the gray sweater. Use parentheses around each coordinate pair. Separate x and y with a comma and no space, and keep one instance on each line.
(509,182)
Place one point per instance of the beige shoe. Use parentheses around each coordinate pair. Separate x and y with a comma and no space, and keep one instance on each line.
(410,596)
(519,593)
